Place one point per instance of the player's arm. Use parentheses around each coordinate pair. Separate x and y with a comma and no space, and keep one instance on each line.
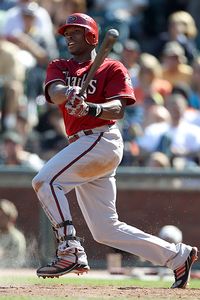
(113,109)
(57,92)
(108,111)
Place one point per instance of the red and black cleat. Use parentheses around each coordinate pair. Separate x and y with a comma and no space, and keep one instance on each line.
(61,266)
(182,274)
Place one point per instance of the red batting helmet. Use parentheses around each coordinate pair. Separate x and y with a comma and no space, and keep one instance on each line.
(82,20)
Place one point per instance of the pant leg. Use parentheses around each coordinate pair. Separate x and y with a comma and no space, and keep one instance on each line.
(90,157)
(97,201)
(73,166)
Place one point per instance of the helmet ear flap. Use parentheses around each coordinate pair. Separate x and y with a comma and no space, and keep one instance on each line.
(90,37)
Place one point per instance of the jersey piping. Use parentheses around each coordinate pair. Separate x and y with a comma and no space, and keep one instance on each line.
(119,96)
(64,169)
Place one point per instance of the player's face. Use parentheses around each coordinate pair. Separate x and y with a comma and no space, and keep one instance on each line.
(75,39)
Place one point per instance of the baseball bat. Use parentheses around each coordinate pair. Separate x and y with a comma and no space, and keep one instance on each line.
(106,46)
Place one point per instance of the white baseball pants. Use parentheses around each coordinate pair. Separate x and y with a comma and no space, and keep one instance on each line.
(89,165)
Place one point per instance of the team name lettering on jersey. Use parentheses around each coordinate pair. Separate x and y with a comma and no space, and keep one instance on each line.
(78,81)
(111,81)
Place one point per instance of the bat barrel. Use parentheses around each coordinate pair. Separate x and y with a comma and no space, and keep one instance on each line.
(114,33)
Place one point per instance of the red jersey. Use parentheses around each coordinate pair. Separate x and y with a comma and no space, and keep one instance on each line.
(111,81)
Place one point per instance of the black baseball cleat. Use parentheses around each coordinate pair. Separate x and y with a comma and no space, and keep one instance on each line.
(182,274)
(61,266)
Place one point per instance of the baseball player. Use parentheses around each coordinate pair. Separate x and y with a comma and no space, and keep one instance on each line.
(88,164)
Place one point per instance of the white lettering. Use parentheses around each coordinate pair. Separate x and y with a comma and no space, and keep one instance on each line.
(73,81)
(92,86)
(78,81)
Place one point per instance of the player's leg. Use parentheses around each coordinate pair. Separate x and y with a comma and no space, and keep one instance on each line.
(70,255)
(75,165)
(97,202)
(56,179)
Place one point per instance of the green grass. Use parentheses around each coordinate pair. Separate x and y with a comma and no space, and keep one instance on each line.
(194,283)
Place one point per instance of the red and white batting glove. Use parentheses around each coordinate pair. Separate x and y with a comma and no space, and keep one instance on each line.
(76,105)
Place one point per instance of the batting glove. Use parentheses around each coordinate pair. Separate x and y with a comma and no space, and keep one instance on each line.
(76,105)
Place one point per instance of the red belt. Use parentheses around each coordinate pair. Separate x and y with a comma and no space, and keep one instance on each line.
(76,136)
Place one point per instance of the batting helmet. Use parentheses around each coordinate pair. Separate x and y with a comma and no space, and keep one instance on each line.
(82,20)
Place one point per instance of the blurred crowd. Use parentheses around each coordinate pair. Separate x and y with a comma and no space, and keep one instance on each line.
(12,240)
(159,43)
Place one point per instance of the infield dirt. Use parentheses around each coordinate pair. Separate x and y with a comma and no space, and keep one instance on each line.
(84,291)
(99,292)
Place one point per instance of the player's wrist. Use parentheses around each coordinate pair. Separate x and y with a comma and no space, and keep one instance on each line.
(69,92)
(94,110)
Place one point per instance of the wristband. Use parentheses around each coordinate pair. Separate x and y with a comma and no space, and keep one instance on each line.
(95,110)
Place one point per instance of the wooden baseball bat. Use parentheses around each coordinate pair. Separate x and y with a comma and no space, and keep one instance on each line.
(106,46)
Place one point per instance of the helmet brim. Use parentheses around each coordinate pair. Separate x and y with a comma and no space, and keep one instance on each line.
(61,30)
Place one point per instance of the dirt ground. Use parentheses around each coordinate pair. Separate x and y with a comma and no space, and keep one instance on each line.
(99,292)
(83,292)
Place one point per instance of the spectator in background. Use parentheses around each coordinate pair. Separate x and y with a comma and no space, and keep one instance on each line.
(192,113)
(151,83)
(59,9)
(151,90)
(36,48)
(158,160)
(13,153)
(133,114)
(175,67)
(154,127)
(174,138)
(159,11)
(31,138)
(126,16)
(14,21)
(12,76)
(156,122)
(182,29)
(12,241)
(130,58)
(4,6)
(193,8)
(181,139)
(7,4)
(155,113)
(52,132)
(194,98)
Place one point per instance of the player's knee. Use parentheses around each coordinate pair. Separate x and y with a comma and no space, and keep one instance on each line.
(100,236)
(103,231)
(36,184)
(43,190)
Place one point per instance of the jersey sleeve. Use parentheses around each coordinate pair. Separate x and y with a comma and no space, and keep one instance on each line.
(119,84)
(55,72)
